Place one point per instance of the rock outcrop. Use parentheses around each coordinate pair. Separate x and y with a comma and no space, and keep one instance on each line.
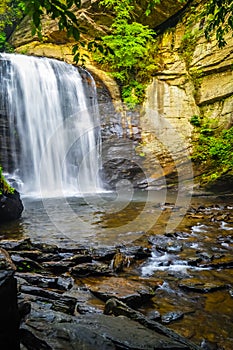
(11,206)
(194,77)
(56,312)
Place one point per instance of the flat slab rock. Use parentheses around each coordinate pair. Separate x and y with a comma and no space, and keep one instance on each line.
(201,286)
(103,332)
(129,291)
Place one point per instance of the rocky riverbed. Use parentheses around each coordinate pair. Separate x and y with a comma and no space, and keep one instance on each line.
(164,290)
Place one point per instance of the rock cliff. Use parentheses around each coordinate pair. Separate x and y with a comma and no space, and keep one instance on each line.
(194,77)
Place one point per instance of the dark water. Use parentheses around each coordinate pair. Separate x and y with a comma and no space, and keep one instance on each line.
(106,218)
(177,235)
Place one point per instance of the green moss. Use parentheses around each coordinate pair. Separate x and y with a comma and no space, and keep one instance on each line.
(193,31)
(196,75)
(187,46)
(212,149)
(5,188)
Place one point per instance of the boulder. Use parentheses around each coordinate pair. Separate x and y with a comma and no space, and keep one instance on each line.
(11,206)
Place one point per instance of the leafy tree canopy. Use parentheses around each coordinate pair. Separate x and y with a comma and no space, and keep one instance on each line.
(218,14)
(127,50)
(219,19)
(56,9)
(61,10)
(9,13)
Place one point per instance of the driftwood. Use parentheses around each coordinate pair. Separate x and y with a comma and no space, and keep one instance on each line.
(115,307)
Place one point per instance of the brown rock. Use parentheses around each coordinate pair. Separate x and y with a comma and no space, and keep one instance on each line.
(130,291)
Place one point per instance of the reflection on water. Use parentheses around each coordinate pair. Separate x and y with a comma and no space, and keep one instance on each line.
(100,219)
(184,255)
(12,230)
(103,218)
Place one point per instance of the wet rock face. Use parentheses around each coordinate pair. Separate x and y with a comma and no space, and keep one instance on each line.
(132,293)
(223,184)
(92,332)
(124,172)
(121,165)
(9,315)
(5,154)
(57,311)
(63,291)
(11,206)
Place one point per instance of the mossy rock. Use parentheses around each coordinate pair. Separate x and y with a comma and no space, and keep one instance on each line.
(223,183)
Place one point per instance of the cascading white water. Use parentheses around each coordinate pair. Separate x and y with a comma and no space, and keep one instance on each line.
(54,129)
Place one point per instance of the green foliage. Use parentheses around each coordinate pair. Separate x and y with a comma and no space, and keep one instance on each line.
(191,35)
(10,13)
(195,120)
(127,42)
(122,9)
(133,93)
(212,149)
(5,188)
(187,46)
(2,39)
(151,5)
(59,10)
(218,16)
(197,77)
(216,150)
(126,51)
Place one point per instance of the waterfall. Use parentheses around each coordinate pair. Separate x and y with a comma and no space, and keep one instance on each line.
(54,133)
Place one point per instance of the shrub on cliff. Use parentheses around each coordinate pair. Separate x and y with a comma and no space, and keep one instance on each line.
(213,151)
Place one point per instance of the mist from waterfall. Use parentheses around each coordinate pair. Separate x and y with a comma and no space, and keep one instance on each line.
(53,126)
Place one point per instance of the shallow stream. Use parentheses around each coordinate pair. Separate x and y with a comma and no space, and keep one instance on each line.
(191,241)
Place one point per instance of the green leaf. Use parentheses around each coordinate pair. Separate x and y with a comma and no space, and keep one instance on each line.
(76,33)
(76,57)
(74,49)
(69,3)
(72,16)
(77,3)
(36,19)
